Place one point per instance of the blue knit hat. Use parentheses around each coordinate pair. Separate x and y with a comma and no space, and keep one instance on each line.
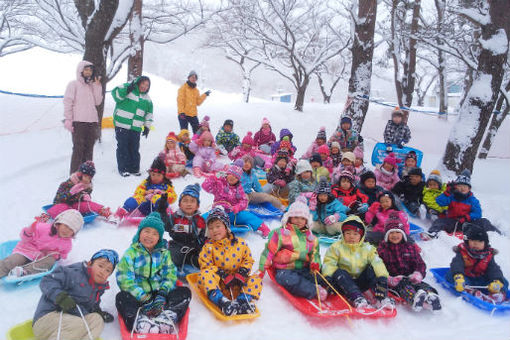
(192,190)
(109,254)
(464,178)
(153,220)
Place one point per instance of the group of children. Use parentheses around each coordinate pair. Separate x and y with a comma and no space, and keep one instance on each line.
(329,192)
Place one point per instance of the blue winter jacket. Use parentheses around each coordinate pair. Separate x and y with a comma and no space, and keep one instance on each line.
(324,210)
(461,208)
(250,183)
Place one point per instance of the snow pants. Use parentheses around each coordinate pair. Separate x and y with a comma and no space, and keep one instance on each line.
(73,326)
(185,119)
(182,254)
(353,287)
(145,208)
(209,281)
(84,207)
(128,154)
(407,290)
(84,138)
(322,228)
(450,225)
(177,301)
(29,267)
(299,282)
(262,197)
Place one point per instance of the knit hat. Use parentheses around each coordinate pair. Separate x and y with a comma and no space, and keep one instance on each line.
(239,162)
(346,119)
(366,175)
(153,220)
(217,213)
(111,255)
(415,171)
(182,133)
(249,159)
(235,171)
(192,190)
(71,218)
(475,232)
(158,166)
(192,73)
(298,209)
(229,122)
(206,135)
(394,223)
(335,145)
(348,155)
(285,132)
(303,166)
(322,133)
(171,136)
(87,168)
(248,139)
(346,174)
(358,152)
(204,122)
(265,121)
(411,154)
(397,112)
(353,222)
(391,159)
(464,178)
(323,150)
(435,175)
(316,158)
(323,187)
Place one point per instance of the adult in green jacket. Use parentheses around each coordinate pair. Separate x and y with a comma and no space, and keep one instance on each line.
(133,113)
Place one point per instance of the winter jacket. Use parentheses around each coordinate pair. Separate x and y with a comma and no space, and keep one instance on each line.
(260,138)
(77,282)
(132,110)
(188,98)
(239,152)
(336,158)
(377,217)
(36,242)
(185,149)
(187,231)
(332,207)
(81,99)
(396,134)
(165,187)
(385,179)
(144,274)
(429,198)
(289,248)
(174,157)
(205,157)
(298,186)
(328,164)
(313,148)
(353,258)
(348,140)
(319,172)
(228,139)
(231,197)
(471,265)
(276,146)
(64,194)
(468,208)
(276,173)
(229,254)
(348,197)
(250,182)
(372,193)
(401,259)
(408,192)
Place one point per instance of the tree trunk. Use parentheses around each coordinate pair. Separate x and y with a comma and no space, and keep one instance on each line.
(246,84)
(395,51)
(466,135)
(441,71)
(136,37)
(361,67)
(301,90)
(325,97)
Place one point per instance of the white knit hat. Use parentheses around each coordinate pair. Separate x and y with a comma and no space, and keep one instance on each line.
(298,209)
(303,166)
(71,218)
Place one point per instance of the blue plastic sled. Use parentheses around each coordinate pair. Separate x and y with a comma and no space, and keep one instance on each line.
(265,210)
(415,231)
(379,153)
(261,174)
(6,249)
(235,229)
(328,240)
(439,275)
(87,218)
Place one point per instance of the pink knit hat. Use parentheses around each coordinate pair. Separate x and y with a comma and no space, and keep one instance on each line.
(391,159)
(358,152)
(248,139)
(298,209)
(235,171)
(206,135)
(323,149)
(204,122)
(265,121)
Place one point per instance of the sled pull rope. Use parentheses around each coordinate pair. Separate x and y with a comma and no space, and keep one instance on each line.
(85,322)
(252,309)
(337,293)
(317,289)
(59,325)
(136,321)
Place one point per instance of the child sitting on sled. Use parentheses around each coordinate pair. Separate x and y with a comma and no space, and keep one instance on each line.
(174,158)
(279,176)
(353,266)
(432,190)
(386,173)
(205,155)
(368,186)
(328,212)
(303,183)
(264,138)
(148,193)
(149,299)
(226,139)
(350,196)
(406,268)
(292,251)
(75,194)
(184,141)
(42,244)
(474,265)
(316,144)
(380,212)
(69,307)
(396,132)
(186,227)
(409,191)
(225,266)
(228,192)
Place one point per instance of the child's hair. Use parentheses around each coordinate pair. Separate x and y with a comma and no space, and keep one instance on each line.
(218,213)
(388,194)
(158,166)
(171,136)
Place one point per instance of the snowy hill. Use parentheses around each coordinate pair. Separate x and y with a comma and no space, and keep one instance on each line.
(35,156)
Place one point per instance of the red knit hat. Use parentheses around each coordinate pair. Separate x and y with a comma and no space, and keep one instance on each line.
(171,136)
(323,149)
(248,139)
(391,159)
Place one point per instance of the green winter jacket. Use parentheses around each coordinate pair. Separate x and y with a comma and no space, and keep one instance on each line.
(429,198)
(143,274)
(133,110)
(298,186)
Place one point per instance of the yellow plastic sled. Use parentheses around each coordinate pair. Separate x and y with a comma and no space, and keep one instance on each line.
(192,280)
(22,331)
(107,123)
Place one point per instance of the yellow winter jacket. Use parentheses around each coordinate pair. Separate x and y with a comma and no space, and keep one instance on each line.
(188,99)
(353,258)
(429,198)
(225,255)
(319,172)
(158,190)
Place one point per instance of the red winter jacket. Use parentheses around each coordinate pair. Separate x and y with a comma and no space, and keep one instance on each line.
(475,265)
(348,197)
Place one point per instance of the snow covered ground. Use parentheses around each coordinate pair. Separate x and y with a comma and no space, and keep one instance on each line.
(35,154)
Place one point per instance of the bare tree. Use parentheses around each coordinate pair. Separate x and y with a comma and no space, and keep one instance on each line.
(424,81)
(11,35)
(329,75)
(137,39)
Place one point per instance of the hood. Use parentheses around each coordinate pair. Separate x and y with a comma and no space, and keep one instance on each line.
(79,69)
(357,219)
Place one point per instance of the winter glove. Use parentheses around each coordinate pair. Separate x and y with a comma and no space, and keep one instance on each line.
(280,183)
(463,219)
(77,188)
(68,124)
(315,267)
(381,288)
(162,204)
(261,274)
(146,131)
(155,307)
(331,219)
(235,209)
(131,87)
(207,93)
(393,281)
(287,171)
(148,197)
(221,273)
(65,302)
(363,208)
(85,197)
(416,277)
(460,282)
(107,317)
(495,286)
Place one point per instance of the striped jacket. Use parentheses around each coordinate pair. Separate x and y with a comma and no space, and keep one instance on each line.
(133,110)
(159,189)
(143,274)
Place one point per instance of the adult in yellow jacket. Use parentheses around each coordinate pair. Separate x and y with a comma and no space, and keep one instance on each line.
(188,98)
(353,266)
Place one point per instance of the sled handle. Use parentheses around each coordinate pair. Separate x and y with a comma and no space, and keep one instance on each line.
(136,321)
(317,289)
(85,322)
(59,325)
(337,293)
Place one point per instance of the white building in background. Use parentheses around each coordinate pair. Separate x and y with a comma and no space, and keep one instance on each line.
(454,96)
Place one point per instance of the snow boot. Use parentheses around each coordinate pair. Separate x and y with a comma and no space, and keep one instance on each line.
(124,174)
(360,302)
(226,306)
(434,302)
(244,304)
(419,300)
(145,325)
(387,303)
(17,272)
(166,322)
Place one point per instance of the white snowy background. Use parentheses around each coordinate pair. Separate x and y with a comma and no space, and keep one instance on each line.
(35,154)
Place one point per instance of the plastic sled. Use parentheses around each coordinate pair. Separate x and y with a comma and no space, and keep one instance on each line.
(192,280)
(439,275)
(135,217)
(415,231)
(327,240)
(22,331)
(262,181)
(181,335)
(261,174)
(107,123)
(6,249)
(236,229)
(379,153)
(87,218)
(265,210)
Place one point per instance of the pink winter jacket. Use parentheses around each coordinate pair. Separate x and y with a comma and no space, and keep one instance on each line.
(375,210)
(239,152)
(231,197)
(174,156)
(36,242)
(385,179)
(313,148)
(81,99)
